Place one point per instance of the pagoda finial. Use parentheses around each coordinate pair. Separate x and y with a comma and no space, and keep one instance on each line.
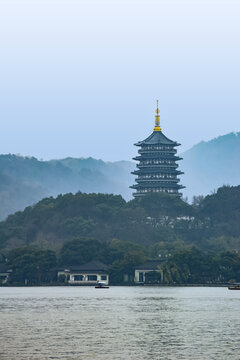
(157,119)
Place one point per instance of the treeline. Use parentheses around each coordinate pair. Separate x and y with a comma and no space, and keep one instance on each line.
(211,223)
(32,266)
(197,243)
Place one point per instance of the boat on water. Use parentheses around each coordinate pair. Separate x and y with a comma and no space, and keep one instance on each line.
(101,285)
(235,286)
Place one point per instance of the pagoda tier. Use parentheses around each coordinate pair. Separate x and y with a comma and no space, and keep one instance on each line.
(155,170)
(156,155)
(157,167)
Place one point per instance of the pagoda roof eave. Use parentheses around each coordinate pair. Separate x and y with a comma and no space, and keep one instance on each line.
(157,156)
(156,170)
(157,137)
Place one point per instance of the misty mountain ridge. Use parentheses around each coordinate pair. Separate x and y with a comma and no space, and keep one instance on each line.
(211,164)
(26,180)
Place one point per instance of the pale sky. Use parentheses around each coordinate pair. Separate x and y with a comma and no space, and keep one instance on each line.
(80,78)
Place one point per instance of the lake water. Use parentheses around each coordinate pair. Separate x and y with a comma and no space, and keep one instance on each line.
(140,323)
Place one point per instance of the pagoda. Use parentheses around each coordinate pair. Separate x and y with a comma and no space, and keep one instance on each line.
(157,168)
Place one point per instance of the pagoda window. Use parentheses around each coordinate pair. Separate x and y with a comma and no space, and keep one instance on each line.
(78,277)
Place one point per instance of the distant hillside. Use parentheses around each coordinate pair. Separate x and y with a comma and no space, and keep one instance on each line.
(209,165)
(26,180)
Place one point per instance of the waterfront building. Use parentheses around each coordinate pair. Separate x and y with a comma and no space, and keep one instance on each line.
(87,274)
(149,272)
(157,168)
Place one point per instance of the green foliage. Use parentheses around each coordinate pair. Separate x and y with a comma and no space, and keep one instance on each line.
(154,277)
(186,266)
(123,257)
(30,265)
(164,249)
(159,205)
(228,266)
(211,224)
(82,250)
(192,266)
(223,210)
(83,227)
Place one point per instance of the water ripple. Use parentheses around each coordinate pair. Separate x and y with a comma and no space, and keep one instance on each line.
(122,323)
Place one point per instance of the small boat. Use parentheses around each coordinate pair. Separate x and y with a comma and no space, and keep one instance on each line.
(235,286)
(101,285)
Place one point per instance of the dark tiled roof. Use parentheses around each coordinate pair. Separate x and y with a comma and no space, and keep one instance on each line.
(164,170)
(91,266)
(157,137)
(149,265)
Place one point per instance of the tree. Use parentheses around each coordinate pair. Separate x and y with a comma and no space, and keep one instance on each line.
(82,250)
(30,265)
(124,258)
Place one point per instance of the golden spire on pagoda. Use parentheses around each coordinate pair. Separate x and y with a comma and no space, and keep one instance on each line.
(157,119)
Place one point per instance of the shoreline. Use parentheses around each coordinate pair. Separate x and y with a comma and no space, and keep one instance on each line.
(121,285)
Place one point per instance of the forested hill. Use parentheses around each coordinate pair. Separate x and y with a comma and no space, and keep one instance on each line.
(26,180)
(209,165)
(211,223)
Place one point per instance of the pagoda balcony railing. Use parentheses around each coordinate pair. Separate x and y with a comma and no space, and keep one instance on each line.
(160,187)
(157,176)
(140,193)
(157,165)
(160,158)
(158,147)
(163,180)
(148,151)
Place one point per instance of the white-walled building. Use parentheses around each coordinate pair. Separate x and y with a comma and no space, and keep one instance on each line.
(148,267)
(87,274)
